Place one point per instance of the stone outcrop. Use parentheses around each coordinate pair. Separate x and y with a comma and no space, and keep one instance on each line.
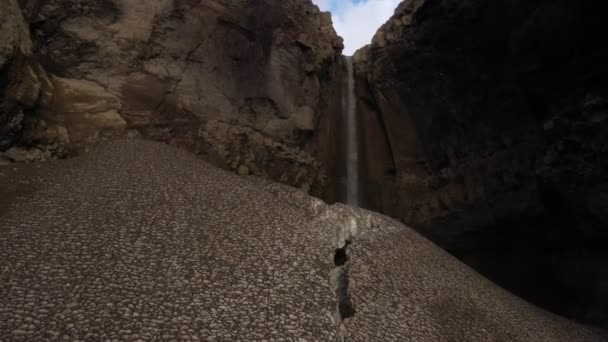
(24,85)
(242,83)
(141,241)
(485,126)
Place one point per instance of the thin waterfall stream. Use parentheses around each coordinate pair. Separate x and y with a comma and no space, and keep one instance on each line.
(349,110)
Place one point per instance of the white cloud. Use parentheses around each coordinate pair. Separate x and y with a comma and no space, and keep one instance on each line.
(358,21)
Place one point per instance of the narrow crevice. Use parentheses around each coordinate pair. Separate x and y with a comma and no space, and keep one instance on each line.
(340,282)
(341,260)
(345,305)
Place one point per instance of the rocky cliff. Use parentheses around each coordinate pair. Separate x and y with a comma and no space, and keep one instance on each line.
(242,83)
(485,126)
(484,123)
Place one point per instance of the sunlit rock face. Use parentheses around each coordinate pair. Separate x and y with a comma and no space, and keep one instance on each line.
(137,240)
(245,84)
(485,127)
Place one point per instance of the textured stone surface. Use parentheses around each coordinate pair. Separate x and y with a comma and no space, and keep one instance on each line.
(143,241)
(140,241)
(21,78)
(485,129)
(165,71)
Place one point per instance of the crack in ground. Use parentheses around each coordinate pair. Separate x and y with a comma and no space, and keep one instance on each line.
(345,305)
(339,278)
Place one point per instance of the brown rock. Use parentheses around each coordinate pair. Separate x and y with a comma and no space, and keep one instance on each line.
(167,69)
(304,118)
(21,155)
(243,170)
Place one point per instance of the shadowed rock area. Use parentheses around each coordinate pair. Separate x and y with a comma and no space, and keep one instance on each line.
(140,241)
(485,129)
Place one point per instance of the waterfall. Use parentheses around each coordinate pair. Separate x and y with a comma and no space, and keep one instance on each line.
(349,112)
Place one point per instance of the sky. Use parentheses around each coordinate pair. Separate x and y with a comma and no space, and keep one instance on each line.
(358,20)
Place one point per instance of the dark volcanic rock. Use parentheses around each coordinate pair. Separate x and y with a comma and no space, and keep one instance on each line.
(486,128)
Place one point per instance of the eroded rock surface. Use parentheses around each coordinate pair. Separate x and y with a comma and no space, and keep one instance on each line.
(484,127)
(24,85)
(175,71)
(140,241)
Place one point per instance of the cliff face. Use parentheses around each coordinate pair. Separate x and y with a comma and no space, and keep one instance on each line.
(485,126)
(23,84)
(241,83)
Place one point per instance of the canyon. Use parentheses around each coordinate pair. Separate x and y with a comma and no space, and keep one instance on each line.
(481,124)
(139,241)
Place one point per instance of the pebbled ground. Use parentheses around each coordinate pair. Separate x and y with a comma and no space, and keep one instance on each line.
(138,241)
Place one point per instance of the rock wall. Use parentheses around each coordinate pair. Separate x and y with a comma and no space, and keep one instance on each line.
(486,128)
(24,85)
(484,122)
(242,83)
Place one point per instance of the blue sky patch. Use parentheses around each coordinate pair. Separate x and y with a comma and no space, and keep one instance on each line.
(358,20)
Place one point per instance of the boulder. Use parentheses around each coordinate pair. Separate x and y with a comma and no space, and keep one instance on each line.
(304,118)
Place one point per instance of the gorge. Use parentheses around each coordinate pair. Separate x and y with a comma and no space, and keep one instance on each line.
(480,124)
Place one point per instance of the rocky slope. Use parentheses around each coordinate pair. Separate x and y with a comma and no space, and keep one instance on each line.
(485,126)
(242,83)
(141,241)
